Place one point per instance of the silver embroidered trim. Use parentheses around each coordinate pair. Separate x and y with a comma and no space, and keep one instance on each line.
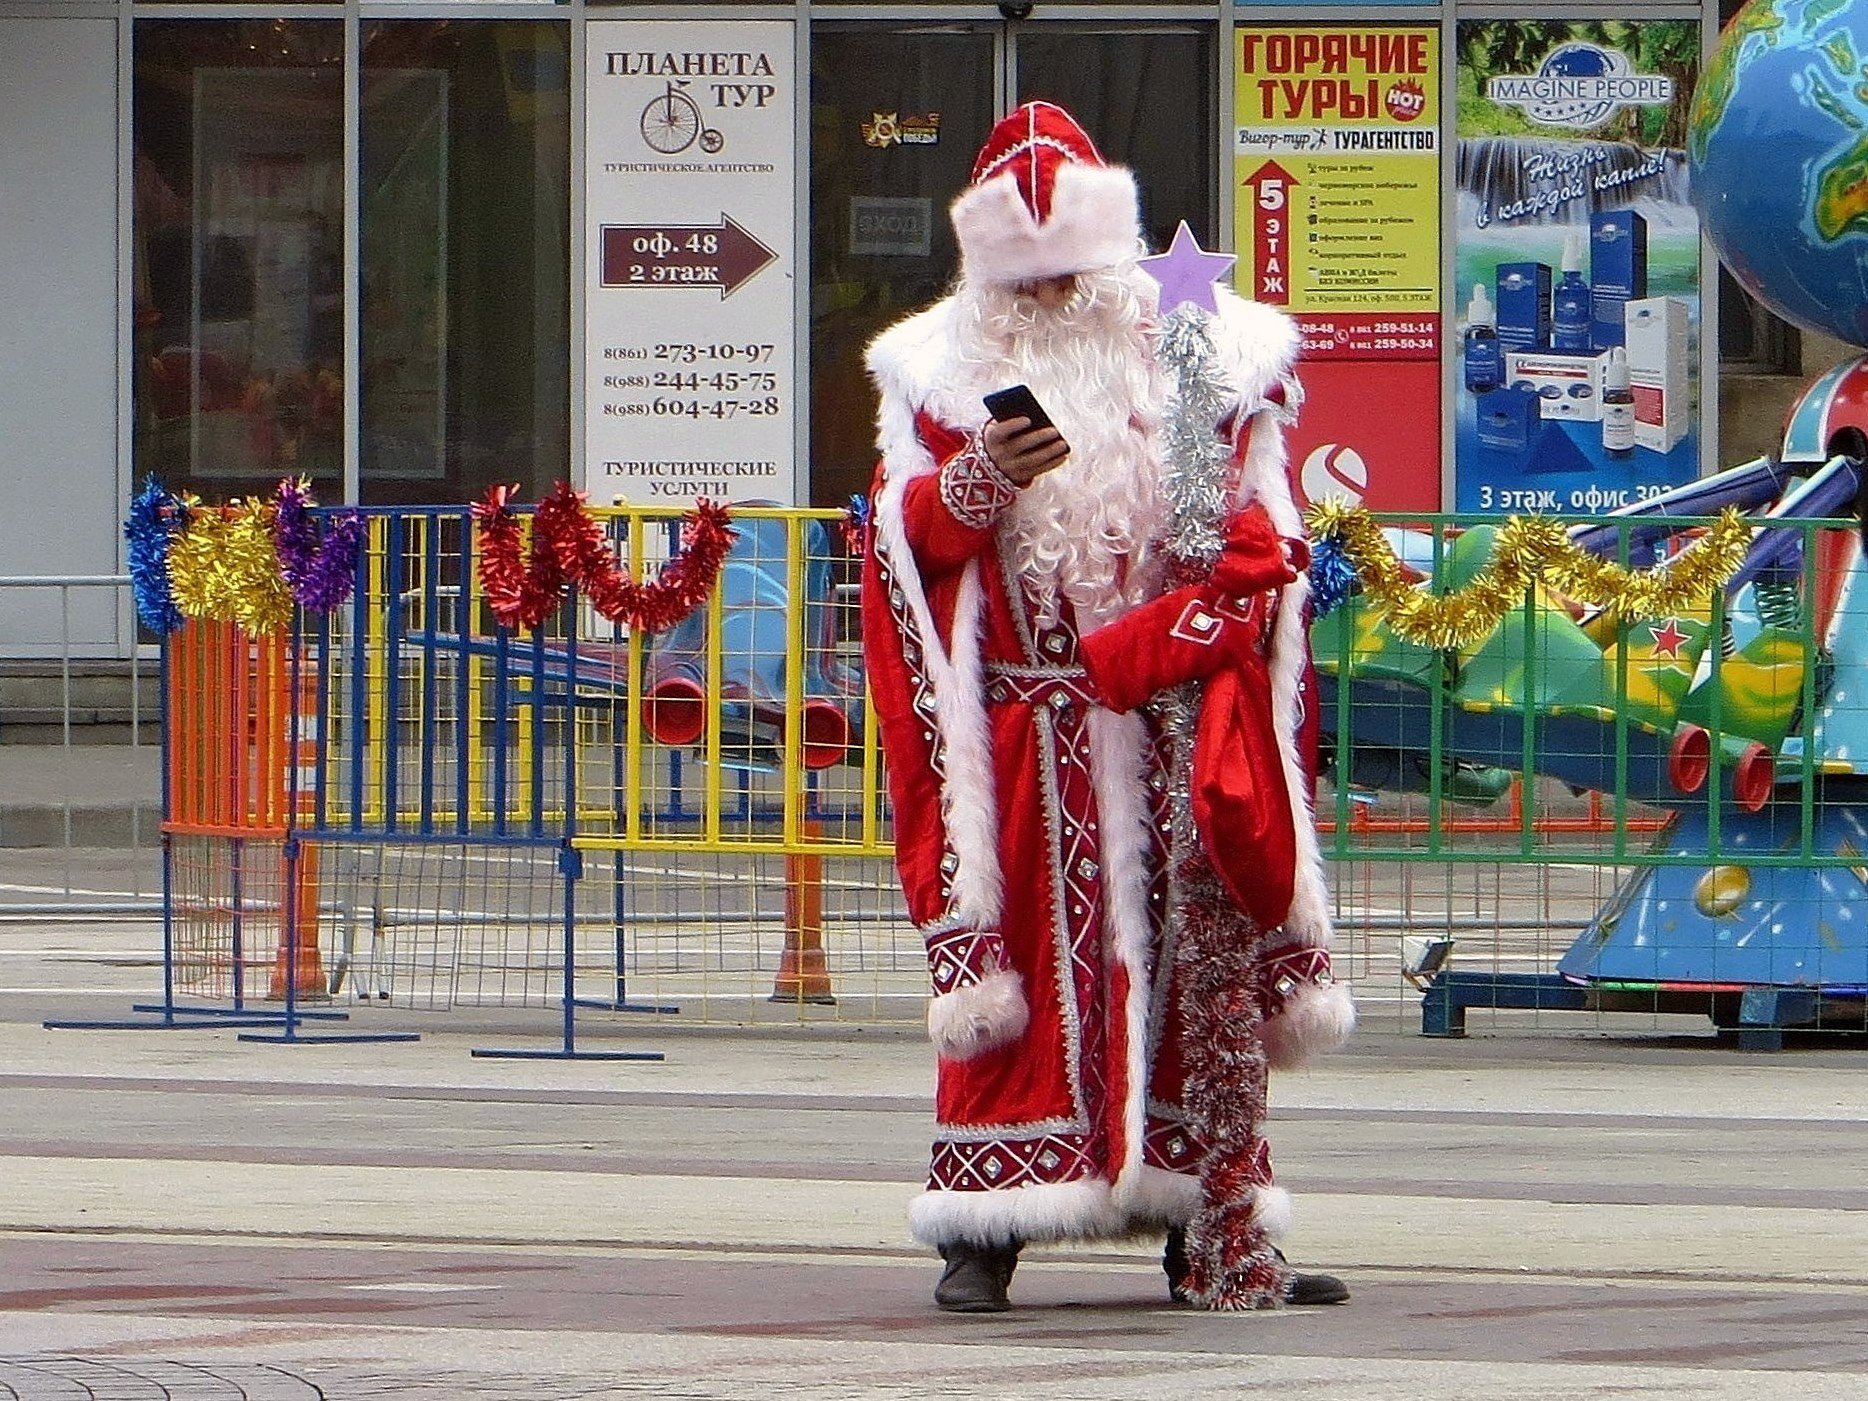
(972,488)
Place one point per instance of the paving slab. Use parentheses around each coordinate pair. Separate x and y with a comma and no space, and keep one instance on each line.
(1518,1217)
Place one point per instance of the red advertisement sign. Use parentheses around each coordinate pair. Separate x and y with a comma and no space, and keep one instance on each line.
(1369,431)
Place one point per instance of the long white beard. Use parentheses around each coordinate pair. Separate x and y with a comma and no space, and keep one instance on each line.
(1086,531)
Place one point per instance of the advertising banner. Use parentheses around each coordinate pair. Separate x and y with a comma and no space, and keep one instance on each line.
(690,186)
(1578,264)
(1336,155)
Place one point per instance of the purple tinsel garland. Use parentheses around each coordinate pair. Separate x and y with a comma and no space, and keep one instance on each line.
(321,574)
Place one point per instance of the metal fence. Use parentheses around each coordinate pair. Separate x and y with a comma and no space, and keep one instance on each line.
(79,799)
(1665,808)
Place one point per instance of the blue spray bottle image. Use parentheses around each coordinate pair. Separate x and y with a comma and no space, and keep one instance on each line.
(1570,307)
(1483,364)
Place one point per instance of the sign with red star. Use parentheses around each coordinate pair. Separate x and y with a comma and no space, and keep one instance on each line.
(1668,638)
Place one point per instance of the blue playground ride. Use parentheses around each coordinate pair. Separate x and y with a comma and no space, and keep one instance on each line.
(1752,731)
(755,654)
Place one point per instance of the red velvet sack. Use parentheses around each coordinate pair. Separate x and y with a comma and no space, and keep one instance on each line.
(1241,803)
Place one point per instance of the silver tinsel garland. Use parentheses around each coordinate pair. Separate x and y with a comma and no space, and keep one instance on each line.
(1197,458)
(1231,1264)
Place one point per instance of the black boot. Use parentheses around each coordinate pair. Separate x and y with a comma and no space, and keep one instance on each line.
(1303,1288)
(1174,1262)
(1313,1289)
(976,1277)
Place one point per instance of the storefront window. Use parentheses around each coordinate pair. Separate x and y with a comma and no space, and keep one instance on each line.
(895,119)
(238,254)
(465,375)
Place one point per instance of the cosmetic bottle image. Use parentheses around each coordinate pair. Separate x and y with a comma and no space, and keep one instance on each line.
(1481,343)
(1570,307)
(1523,300)
(1618,412)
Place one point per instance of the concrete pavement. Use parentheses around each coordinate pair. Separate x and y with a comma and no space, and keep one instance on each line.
(1527,1215)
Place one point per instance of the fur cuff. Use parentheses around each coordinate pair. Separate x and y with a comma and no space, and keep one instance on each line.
(1271,1212)
(980,1017)
(1314,1020)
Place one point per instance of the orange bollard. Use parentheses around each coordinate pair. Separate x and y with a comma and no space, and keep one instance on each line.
(308,982)
(803,976)
(297,780)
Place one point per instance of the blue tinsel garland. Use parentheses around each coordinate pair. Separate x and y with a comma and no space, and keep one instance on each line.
(855,522)
(155,517)
(1332,576)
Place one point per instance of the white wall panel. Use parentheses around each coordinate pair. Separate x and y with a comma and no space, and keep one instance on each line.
(58,324)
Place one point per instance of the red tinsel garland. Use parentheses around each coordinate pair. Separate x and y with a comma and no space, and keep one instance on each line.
(1231,1262)
(569,546)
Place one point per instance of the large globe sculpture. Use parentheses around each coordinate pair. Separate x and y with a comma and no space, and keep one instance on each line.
(1778,150)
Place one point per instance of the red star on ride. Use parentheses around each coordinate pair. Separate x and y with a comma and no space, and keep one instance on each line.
(1668,638)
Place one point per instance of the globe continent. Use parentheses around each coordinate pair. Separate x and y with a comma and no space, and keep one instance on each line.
(1778,150)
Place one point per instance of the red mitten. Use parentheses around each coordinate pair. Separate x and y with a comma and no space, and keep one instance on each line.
(1186,635)
(1256,557)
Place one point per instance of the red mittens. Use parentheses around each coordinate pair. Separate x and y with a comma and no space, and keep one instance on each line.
(1256,557)
(1189,634)
(1186,635)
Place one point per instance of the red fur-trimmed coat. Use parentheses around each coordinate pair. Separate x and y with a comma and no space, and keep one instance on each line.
(1030,827)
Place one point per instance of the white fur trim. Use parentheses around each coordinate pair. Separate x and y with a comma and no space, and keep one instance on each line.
(968,806)
(920,363)
(1271,1206)
(1094,223)
(981,1017)
(1051,1211)
(1313,1022)
(1257,345)
(1118,756)
(1154,1197)
(1077,1211)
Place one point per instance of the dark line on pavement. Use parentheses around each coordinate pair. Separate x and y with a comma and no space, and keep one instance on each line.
(917,1105)
(1643,1193)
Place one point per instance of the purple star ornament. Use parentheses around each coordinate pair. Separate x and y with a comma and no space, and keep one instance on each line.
(1186,272)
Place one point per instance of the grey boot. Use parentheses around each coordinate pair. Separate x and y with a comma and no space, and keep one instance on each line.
(975,1278)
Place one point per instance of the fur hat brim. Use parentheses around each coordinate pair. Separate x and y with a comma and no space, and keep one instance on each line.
(1095,222)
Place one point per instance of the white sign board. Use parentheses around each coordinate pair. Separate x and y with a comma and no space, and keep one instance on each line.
(690,183)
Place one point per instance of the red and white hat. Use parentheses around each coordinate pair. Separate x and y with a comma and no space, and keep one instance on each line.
(1043,202)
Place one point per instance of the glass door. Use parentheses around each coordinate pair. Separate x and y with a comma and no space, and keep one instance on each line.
(1147,95)
(897,114)
(898,111)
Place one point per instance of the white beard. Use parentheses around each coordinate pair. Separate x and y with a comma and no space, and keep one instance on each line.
(1087,531)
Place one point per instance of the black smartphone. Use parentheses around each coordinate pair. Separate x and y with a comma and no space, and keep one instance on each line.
(1017,402)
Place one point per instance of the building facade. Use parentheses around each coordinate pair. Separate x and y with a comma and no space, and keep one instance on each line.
(408,250)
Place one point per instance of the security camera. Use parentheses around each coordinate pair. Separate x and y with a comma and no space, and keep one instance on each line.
(1016,9)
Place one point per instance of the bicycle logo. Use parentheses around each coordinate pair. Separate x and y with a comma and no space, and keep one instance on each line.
(672,122)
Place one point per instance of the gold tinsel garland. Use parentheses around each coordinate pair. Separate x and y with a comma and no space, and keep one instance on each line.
(225,566)
(1528,550)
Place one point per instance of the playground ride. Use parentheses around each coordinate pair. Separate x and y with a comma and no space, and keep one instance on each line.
(1730,727)
(1726,724)
(756,619)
